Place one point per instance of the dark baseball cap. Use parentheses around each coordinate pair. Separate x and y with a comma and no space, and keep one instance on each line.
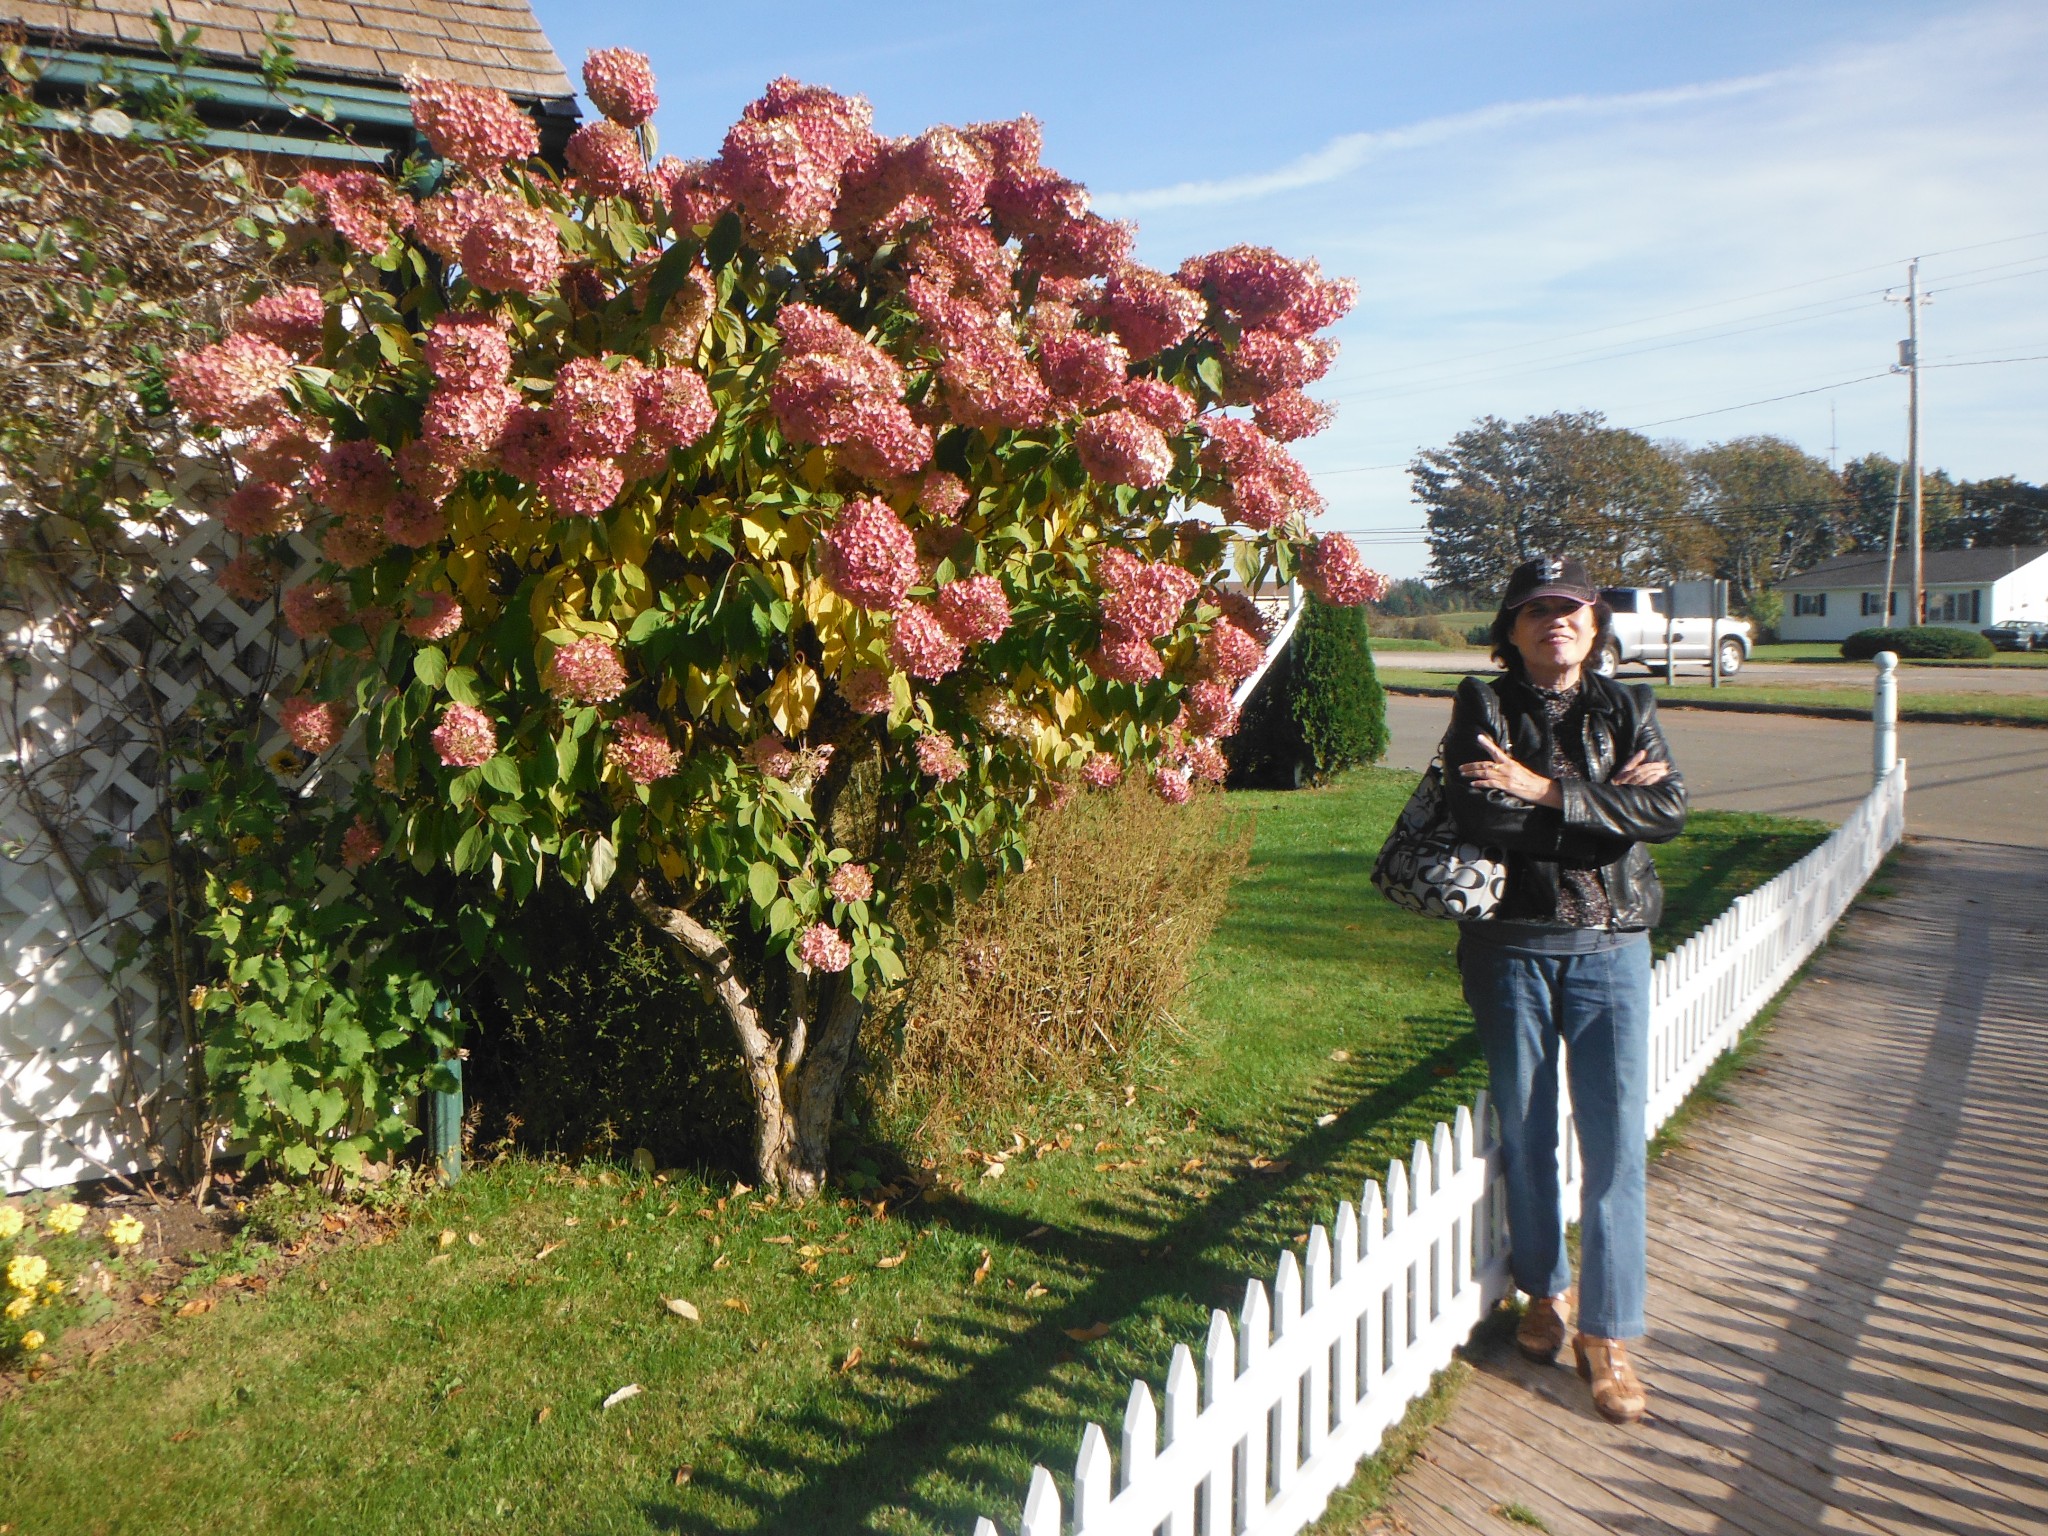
(1548,576)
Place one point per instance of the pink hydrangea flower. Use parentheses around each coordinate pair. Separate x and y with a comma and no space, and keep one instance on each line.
(593,409)
(671,409)
(464,425)
(984,374)
(1208,709)
(938,756)
(353,543)
(1243,612)
(965,261)
(291,318)
(313,725)
(851,882)
(1171,785)
(770,754)
(365,209)
(1332,569)
(620,84)
(1123,448)
(693,192)
(869,557)
(1123,657)
(1083,370)
(1262,482)
(465,738)
(413,522)
(640,750)
(354,479)
(1102,771)
(1204,761)
(529,445)
(439,616)
(511,248)
(1261,289)
(468,350)
(430,467)
(587,671)
(1287,416)
(581,485)
(822,949)
(361,843)
(867,691)
(1142,597)
(606,159)
(921,645)
(1148,310)
(973,610)
(1167,406)
(259,509)
(233,382)
(314,609)
(283,451)
(1090,246)
(1265,363)
(943,495)
(775,174)
(479,127)
(249,578)
(440,222)
(1230,654)
(835,387)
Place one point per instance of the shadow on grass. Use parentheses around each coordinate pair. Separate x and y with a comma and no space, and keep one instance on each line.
(935,1435)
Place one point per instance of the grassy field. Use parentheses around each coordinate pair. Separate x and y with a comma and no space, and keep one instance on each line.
(1825,651)
(849,1366)
(1959,705)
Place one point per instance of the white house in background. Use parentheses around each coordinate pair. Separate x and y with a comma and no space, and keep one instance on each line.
(1966,588)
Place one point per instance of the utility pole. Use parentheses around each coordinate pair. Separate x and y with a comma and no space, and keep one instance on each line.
(1909,365)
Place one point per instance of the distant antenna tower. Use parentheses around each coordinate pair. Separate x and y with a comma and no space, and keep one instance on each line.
(1832,467)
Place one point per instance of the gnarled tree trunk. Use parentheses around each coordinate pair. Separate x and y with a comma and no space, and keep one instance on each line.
(795,1072)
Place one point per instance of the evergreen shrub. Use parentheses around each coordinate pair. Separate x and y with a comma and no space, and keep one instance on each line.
(1320,707)
(1921,642)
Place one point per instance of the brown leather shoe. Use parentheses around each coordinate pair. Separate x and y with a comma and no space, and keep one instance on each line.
(1604,1364)
(1546,1320)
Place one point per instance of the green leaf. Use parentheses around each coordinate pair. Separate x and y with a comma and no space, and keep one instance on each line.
(1210,371)
(762,883)
(724,241)
(502,774)
(430,666)
(461,684)
(604,863)
(469,850)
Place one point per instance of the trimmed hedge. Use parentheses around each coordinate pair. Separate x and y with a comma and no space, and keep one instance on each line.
(1922,642)
(1318,709)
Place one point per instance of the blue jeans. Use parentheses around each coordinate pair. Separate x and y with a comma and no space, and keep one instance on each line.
(1598,1006)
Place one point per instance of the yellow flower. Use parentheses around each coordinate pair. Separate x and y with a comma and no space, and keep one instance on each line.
(19,1308)
(53,1287)
(286,763)
(124,1231)
(10,1221)
(65,1217)
(246,845)
(197,998)
(25,1271)
(31,1341)
(241,892)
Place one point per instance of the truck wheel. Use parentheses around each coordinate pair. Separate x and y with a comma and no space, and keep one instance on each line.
(1607,660)
(1731,657)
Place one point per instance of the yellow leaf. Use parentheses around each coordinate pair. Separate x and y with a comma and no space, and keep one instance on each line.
(783,1242)
(892,1260)
(681,1308)
(792,697)
(981,1270)
(1086,1335)
(852,1359)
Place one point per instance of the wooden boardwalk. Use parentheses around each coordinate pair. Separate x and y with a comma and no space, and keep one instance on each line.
(1848,1264)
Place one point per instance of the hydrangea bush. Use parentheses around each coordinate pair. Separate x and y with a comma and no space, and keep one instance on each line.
(770,532)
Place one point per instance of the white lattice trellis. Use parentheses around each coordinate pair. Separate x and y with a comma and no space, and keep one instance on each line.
(91,1066)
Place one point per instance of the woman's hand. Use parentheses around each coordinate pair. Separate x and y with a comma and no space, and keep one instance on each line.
(1640,770)
(1503,773)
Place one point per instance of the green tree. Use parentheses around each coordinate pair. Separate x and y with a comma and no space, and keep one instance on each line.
(1564,483)
(1774,509)
(1319,708)
(1995,512)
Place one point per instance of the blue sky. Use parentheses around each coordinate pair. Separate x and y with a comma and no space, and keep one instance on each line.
(1655,210)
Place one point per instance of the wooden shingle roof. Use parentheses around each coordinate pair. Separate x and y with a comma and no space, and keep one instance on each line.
(480,42)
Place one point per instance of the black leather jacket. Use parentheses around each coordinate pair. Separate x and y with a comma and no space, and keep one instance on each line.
(1601,825)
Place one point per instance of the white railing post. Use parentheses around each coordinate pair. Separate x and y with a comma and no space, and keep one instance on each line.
(1884,716)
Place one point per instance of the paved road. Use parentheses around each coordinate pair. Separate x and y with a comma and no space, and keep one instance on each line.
(1812,674)
(1981,783)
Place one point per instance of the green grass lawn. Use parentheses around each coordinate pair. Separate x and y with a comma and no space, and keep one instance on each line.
(848,1371)
(1807,651)
(1960,704)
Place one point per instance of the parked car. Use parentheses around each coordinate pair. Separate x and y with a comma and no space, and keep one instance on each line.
(1640,628)
(2018,635)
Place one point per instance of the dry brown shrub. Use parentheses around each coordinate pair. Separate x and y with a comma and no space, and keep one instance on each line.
(1064,966)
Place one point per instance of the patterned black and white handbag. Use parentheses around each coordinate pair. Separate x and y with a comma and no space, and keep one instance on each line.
(1428,866)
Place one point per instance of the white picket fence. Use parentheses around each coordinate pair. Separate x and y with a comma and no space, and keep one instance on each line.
(1288,1402)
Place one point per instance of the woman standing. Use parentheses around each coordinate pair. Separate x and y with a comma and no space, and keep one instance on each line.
(1567,773)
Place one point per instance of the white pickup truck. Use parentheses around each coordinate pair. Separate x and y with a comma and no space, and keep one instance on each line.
(1641,628)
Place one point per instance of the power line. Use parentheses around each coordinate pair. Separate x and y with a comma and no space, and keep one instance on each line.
(1767,400)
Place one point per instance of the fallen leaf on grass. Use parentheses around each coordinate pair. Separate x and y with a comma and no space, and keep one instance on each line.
(1323,1120)
(195,1306)
(547,1249)
(632,1389)
(1271,1164)
(1036,1232)
(149,1298)
(682,1309)
(1191,1165)
(441,1258)
(721,1261)
(890,1261)
(809,1266)
(570,1221)
(995,1169)
(738,1304)
(1107,1145)
(1340,1055)
(1086,1335)
(981,1270)
(1035,1291)
(915,1345)
(780,1242)
(683,1475)
(183,1435)
(852,1359)
(475,1241)
(1443,1069)
(546,1412)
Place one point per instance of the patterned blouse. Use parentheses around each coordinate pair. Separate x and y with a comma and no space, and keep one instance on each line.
(1581,899)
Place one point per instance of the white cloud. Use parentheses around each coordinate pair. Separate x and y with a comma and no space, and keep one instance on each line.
(1618,253)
